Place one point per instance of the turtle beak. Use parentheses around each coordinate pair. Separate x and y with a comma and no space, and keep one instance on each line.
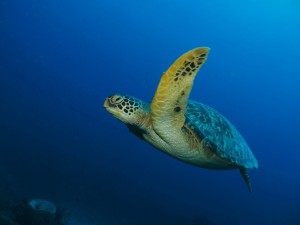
(111,107)
(109,104)
(106,103)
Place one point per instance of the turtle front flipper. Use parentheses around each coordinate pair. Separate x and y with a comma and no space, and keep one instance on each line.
(170,100)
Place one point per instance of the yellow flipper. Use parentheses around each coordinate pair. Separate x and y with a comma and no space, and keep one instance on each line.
(169,103)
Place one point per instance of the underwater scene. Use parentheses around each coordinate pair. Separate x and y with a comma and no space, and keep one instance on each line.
(103,120)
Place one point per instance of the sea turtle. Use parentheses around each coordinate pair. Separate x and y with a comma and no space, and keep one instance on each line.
(186,130)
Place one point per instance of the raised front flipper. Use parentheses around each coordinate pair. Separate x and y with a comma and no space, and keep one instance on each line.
(170,100)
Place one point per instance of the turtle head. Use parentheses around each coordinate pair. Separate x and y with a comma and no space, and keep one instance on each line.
(129,110)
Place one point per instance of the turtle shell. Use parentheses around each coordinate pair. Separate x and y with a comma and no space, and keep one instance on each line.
(219,135)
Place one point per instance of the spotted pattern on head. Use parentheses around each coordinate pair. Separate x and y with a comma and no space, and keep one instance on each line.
(126,104)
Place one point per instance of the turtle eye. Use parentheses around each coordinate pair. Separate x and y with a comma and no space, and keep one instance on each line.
(117,99)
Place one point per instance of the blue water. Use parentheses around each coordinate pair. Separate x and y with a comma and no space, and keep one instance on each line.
(59,60)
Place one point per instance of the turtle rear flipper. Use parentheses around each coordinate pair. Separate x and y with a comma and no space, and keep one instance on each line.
(245,175)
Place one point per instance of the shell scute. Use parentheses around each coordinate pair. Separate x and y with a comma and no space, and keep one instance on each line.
(217,133)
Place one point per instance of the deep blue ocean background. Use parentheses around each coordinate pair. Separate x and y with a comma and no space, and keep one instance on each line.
(59,60)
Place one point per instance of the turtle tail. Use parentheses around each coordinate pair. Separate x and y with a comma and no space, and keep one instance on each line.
(245,175)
